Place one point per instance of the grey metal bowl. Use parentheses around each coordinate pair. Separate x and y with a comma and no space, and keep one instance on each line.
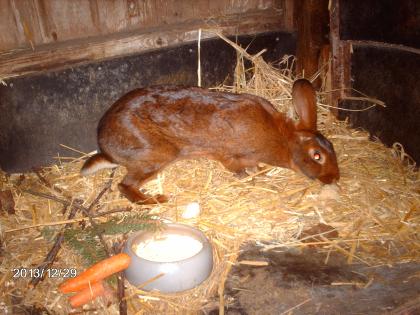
(178,275)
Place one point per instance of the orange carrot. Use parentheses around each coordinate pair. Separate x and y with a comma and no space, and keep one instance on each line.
(95,273)
(88,294)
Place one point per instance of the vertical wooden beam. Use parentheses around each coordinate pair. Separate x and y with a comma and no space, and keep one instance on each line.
(312,28)
(340,58)
(289,16)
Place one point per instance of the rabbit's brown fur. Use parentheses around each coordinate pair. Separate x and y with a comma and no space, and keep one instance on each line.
(149,128)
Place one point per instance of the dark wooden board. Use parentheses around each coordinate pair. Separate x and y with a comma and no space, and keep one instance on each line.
(391,75)
(389,21)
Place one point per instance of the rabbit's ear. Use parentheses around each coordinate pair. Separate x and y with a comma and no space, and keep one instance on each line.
(304,102)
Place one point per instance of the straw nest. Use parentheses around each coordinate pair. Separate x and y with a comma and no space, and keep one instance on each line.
(374,210)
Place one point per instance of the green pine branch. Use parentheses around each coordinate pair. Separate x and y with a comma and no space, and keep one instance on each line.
(86,242)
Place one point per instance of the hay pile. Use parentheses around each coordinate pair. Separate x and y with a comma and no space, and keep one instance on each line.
(375,212)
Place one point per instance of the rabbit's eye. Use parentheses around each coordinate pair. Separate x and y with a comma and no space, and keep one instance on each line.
(317,156)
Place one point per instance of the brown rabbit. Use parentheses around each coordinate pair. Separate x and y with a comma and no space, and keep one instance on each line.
(149,128)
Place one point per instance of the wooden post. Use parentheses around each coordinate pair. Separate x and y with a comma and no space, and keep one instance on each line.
(312,29)
(340,58)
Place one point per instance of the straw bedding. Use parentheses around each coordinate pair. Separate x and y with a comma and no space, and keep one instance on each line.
(374,210)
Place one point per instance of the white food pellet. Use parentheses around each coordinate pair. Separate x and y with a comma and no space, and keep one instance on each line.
(171,247)
(192,210)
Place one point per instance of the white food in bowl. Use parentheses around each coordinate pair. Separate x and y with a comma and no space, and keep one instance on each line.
(169,248)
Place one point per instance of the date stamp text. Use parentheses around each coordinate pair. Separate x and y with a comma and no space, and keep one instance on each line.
(41,273)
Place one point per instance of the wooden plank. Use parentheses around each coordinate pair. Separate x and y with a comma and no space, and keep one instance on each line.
(61,55)
(94,13)
(71,19)
(27,23)
(52,21)
(370,43)
(9,37)
(340,58)
(48,30)
(289,15)
(312,29)
(396,22)
(112,16)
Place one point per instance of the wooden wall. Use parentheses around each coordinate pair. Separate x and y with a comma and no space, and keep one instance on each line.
(376,50)
(44,35)
(386,21)
(23,22)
